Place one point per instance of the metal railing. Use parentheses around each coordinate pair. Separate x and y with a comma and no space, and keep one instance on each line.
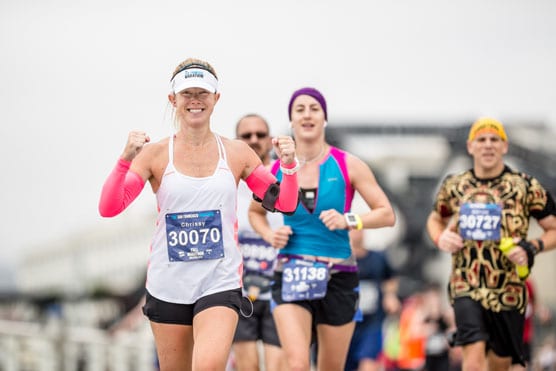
(29,346)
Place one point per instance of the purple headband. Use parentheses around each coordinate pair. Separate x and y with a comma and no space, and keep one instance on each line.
(312,92)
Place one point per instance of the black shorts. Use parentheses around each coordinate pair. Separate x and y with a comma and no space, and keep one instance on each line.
(339,305)
(182,314)
(527,352)
(259,326)
(502,331)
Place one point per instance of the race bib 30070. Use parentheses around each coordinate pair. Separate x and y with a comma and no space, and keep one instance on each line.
(194,235)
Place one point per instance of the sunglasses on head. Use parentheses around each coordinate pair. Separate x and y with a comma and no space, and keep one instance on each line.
(259,134)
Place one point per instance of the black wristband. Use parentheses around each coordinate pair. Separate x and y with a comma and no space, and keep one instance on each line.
(541,244)
(530,250)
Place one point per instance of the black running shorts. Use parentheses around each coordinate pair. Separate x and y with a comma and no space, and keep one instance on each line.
(339,305)
(258,326)
(501,331)
(182,314)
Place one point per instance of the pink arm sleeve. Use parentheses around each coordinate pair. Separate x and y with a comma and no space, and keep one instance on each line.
(260,179)
(120,189)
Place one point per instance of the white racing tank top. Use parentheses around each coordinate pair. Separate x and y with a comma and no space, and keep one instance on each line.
(196,218)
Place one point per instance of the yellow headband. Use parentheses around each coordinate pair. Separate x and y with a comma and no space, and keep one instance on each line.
(487,125)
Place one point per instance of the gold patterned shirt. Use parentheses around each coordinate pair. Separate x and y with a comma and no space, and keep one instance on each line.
(487,210)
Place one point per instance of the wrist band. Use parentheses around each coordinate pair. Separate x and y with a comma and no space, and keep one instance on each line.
(541,244)
(294,167)
(353,221)
(359,222)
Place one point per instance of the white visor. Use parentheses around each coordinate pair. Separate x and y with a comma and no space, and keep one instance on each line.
(194,78)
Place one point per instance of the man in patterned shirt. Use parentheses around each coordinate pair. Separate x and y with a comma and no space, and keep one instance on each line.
(473,211)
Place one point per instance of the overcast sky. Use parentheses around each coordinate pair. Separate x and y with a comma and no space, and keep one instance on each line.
(76,76)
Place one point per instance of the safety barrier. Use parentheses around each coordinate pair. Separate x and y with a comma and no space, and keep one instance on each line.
(28,346)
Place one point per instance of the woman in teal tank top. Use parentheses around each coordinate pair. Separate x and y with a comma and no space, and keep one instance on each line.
(315,290)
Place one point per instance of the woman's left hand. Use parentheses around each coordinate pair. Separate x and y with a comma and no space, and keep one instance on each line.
(284,146)
(333,220)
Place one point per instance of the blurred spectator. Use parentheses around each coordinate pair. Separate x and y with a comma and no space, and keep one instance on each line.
(419,341)
(413,333)
(535,310)
(440,323)
(377,297)
(391,342)
(546,359)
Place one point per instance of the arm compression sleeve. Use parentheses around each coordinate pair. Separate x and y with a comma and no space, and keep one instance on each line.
(260,179)
(120,189)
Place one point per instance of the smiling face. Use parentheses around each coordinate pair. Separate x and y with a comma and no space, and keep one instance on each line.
(307,118)
(488,152)
(194,106)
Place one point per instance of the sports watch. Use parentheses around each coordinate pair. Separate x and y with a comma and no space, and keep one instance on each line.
(353,221)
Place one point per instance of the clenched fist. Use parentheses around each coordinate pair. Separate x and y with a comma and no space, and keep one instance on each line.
(135,142)
(284,147)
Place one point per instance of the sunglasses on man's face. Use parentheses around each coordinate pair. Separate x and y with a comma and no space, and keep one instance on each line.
(259,134)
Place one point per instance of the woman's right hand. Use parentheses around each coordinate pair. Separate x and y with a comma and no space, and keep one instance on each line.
(279,238)
(135,142)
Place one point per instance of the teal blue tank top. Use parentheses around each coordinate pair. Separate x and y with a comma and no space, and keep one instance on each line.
(310,236)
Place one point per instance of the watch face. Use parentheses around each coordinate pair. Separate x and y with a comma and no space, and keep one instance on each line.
(351,220)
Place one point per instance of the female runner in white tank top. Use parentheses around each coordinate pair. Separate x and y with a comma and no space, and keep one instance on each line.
(195,265)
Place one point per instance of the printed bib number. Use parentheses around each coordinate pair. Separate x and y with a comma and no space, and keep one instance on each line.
(258,256)
(304,280)
(479,221)
(194,235)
